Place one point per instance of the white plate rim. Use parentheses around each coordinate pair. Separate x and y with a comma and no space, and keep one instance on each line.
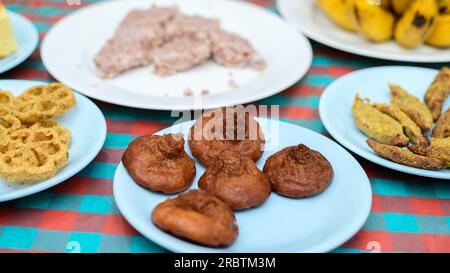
(366,208)
(86,90)
(34,38)
(90,155)
(328,124)
(355,49)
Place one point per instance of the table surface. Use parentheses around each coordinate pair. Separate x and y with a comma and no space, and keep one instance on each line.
(409,213)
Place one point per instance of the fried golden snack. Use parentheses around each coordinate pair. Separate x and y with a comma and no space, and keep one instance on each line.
(438,92)
(405,157)
(298,171)
(43,102)
(159,163)
(226,129)
(197,216)
(439,148)
(8,123)
(410,128)
(412,106)
(32,155)
(236,180)
(378,125)
(442,127)
(6,98)
(64,134)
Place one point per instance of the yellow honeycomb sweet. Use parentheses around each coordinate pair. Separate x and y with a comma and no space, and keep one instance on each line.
(43,102)
(32,155)
(33,148)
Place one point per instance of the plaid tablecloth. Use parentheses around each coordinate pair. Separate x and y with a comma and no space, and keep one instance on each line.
(409,213)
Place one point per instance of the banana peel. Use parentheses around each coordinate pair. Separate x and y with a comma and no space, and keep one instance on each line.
(371,19)
(335,10)
(440,36)
(416,24)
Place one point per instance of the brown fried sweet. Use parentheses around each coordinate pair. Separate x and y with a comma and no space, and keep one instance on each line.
(298,171)
(197,216)
(159,163)
(226,129)
(236,180)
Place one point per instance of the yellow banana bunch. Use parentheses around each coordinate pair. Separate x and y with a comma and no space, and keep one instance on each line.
(416,24)
(371,19)
(335,9)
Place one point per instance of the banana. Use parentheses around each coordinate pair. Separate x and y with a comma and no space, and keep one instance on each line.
(440,36)
(444,6)
(335,10)
(371,19)
(400,6)
(416,24)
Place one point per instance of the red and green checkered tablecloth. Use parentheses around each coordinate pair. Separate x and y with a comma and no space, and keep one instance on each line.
(409,213)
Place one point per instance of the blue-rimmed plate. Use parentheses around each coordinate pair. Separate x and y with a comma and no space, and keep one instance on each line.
(337,100)
(317,224)
(88,128)
(27,39)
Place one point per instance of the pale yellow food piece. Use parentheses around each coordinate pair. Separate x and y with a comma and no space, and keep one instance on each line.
(8,42)
(440,36)
(416,24)
(377,125)
(371,20)
(412,106)
(410,128)
(336,11)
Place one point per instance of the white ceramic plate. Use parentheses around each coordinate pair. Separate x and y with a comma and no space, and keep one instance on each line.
(27,39)
(88,128)
(71,44)
(337,100)
(316,224)
(310,20)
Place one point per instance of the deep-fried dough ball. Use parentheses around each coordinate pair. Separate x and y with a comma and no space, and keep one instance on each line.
(159,163)
(226,129)
(236,180)
(197,216)
(298,171)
